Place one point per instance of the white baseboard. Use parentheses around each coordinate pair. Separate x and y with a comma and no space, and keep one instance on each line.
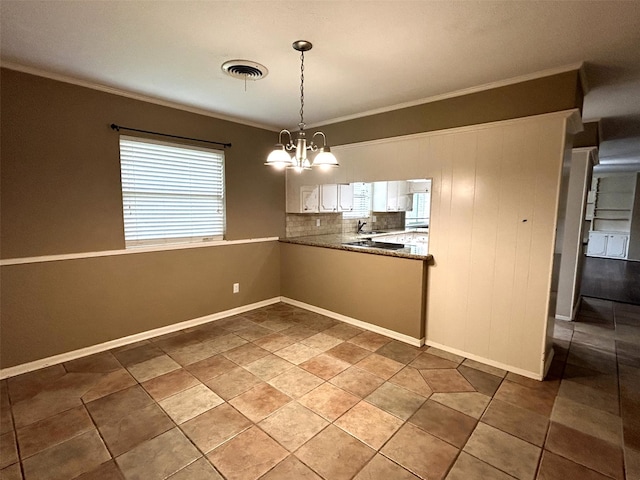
(574,312)
(493,363)
(416,342)
(119,342)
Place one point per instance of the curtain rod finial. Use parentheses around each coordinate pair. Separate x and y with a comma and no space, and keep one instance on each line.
(115,127)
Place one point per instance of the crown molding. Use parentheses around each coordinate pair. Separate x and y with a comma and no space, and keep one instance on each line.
(465,91)
(124,93)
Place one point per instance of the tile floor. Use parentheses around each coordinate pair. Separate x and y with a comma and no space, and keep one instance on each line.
(283,393)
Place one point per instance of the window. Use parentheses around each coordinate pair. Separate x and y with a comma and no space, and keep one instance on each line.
(171,193)
(361,201)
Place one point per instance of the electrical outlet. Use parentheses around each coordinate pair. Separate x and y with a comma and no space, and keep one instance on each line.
(317,222)
(236,287)
(373,218)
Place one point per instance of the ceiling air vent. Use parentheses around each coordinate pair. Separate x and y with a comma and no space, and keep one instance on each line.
(244,69)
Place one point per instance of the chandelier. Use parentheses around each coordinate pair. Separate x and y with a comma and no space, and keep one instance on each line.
(279,158)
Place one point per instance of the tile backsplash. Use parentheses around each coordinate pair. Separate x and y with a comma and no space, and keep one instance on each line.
(300,225)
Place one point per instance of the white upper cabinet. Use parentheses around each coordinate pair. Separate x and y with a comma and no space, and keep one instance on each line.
(345,197)
(329,198)
(392,196)
(309,199)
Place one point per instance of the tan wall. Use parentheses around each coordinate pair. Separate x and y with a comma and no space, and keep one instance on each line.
(384,291)
(60,172)
(542,95)
(56,307)
(60,187)
(488,290)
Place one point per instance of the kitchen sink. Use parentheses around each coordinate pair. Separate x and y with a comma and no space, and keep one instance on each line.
(368,243)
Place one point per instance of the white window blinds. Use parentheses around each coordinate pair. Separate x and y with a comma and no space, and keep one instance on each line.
(361,201)
(171,193)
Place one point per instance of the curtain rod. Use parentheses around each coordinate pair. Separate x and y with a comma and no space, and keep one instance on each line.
(119,127)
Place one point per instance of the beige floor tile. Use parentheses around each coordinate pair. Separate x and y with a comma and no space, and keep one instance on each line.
(370,341)
(538,401)
(201,469)
(329,401)
(293,425)
(380,366)
(296,382)
(343,331)
(321,342)
(411,379)
(247,456)
(274,342)
(137,353)
(369,424)
(589,420)
(215,427)
(452,357)
(226,342)
(260,402)
(325,366)
(443,422)
(357,381)
(105,471)
(396,400)
(503,451)
(253,333)
(53,430)
(153,368)
(142,424)
(245,354)
(587,450)
(483,382)
(298,332)
(118,405)
(427,361)
(298,353)
(498,372)
(111,383)
(159,457)
(189,354)
(381,468)
(190,403)
(12,472)
(470,468)
(68,459)
(291,468)
(103,362)
(517,421)
(348,352)
(169,384)
(470,403)
(335,454)
(41,406)
(446,380)
(8,449)
(420,453)
(233,383)
(268,367)
(555,467)
(398,351)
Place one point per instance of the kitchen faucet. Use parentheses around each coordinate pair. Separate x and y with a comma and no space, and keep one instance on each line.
(360,225)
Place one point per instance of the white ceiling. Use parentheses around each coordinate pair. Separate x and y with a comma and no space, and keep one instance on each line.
(367,55)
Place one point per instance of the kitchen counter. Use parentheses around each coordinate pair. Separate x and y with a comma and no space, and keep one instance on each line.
(337,241)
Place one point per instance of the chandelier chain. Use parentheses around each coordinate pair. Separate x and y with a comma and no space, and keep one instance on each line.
(302,90)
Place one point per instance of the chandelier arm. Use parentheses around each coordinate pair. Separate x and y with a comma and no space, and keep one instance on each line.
(289,144)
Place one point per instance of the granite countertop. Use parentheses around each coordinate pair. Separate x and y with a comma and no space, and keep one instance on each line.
(337,241)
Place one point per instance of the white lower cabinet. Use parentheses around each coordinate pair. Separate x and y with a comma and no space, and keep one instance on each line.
(610,245)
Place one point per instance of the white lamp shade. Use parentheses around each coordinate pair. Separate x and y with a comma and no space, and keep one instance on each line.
(325,159)
(279,158)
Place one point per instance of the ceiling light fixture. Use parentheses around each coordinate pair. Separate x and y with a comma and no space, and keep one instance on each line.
(279,158)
